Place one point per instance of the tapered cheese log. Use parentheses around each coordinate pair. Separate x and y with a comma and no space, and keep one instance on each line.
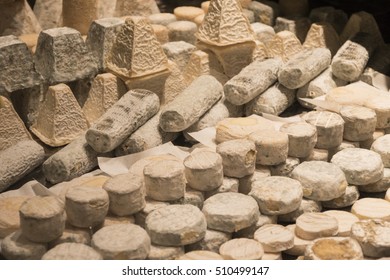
(249,232)
(380,186)
(351,59)
(371,208)
(252,81)
(242,211)
(322,35)
(126,193)
(303,67)
(245,183)
(165,252)
(176,225)
(200,255)
(311,226)
(212,241)
(334,248)
(179,52)
(9,215)
(297,25)
(345,220)
(320,180)
(274,238)
(350,196)
(263,32)
(285,168)
(122,242)
(72,251)
(361,167)
(17,247)
(302,137)
(182,30)
(122,119)
(191,104)
(42,218)
(242,249)
(19,160)
(162,18)
(265,12)
(306,206)
(284,45)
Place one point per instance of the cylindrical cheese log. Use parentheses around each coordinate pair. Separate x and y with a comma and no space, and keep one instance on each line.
(360,166)
(330,128)
(302,137)
(182,30)
(275,100)
(271,146)
(79,14)
(9,214)
(241,249)
(122,119)
(274,238)
(191,104)
(238,157)
(351,59)
(19,160)
(320,180)
(360,122)
(311,226)
(165,253)
(200,255)
(176,225)
(122,242)
(42,218)
(382,147)
(350,196)
(277,195)
(345,220)
(307,206)
(86,206)
(17,247)
(126,194)
(380,186)
(334,248)
(212,240)
(203,170)
(162,18)
(303,67)
(230,212)
(72,251)
(371,208)
(165,180)
(252,81)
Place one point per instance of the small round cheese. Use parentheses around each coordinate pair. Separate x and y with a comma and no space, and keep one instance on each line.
(242,249)
(17,247)
(150,206)
(302,137)
(334,248)
(211,242)
(73,235)
(350,197)
(245,183)
(307,206)
(380,186)
(360,122)
(9,214)
(371,208)
(300,244)
(345,220)
(200,255)
(285,168)
(274,238)
(249,232)
(72,251)
(310,226)
(382,147)
(187,12)
(165,253)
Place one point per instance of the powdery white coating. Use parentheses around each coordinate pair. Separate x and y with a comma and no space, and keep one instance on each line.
(277,195)
(18,160)
(265,12)
(382,147)
(303,67)
(284,45)
(252,81)
(122,119)
(165,253)
(350,196)
(241,249)
(306,206)
(182,30)
(371,208)
(42,218)
(302,138)
(201,255)
(162,18)
(360,122)
(330,128)
(126,194)
(297,25)
(191,104)
(122,242)
(380,186)
(203,170)
(345,220)
(322,35)
(17,247)
(230,212)
(320,180)
(86,206)
(274,238)
(150,206)
(250,231)
(300,244)
(334,248)
(373,236)
(311,226)
(165,180)
(176,225)
(361,166)
(72,251)
(238,157)
(212,241)
(271,146)
(245,183)
(9,215)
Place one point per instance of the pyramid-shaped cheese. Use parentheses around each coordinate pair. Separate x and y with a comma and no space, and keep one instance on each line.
(12,129)
(60,119)
(136,51)
(225,24)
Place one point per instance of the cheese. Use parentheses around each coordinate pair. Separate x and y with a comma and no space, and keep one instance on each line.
(371,208)
(382,147)
(212,241)
(311,226)
(274,238)
(322,35)
(249,232)
(17,247)
(242,249)
(228,185)
(337,18)
(201,255)
(161,32)
(179,52)
(345,220)
(380,186)
(136,8)
(9,215)
(165,253)
(360,122)
(334,248)
(182,30)
(150,206)
(72,235)
(306,206)
(48,13)
(302,138)
(162,18)
(263,32)
(350,196)
(297,25)
(72,251)
(245,183)
(317,155)
(265,11)
(187,12)
(79,14)
(284,45)
(299,247)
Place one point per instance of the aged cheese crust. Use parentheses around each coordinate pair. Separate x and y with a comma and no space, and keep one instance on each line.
(17,247)
(334,248)
(311,226)
(212,241)
(72,251)
(274,238)
(241,249)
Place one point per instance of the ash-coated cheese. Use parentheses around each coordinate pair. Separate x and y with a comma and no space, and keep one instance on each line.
(9,214)
(122,242)
(380,186)
(359,122)
(263,32)
(72,251)
(320,180)
(17,247)
(350,196)
(330,128)
(302,138)
(245,183)
(274,238)
(176,225)
(306,206)
(204,170)
(299,247)
(230,212)
(179,52)
(345,220)
(165,252)
(86,206)
(382,147)
(277,195)
(212,241)
(334,248)
(42,218)
(241,249)
(198,255)
(142,8)
(311,226)
(371,208)
(361,167)
(238,157)
(122,119)
(126,194)
(165,180)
